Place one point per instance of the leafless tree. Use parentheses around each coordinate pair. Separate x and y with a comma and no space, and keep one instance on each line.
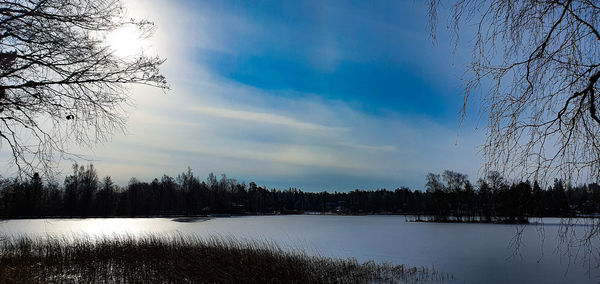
(60,81)
(536,65)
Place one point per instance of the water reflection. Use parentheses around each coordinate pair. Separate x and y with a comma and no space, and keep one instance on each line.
(474,253)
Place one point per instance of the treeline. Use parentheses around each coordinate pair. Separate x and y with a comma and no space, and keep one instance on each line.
(448,197)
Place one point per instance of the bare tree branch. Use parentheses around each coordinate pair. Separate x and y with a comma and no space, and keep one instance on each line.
(536,66)
(59,79)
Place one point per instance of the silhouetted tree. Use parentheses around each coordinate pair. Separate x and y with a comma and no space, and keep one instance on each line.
(59,80)
(106,198)
(455,183)
(34,195)
(80,190)
(440,200)
(456,200)
(537,66)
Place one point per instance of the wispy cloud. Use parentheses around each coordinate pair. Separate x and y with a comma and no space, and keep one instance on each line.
(278,137)
(261,117)
(384,148)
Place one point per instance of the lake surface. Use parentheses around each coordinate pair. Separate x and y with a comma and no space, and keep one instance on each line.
(472,253)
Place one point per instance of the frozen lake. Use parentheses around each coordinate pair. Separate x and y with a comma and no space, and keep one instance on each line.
(473,253)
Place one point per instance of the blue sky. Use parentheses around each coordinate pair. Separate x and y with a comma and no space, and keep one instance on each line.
(376,57)
(319,95)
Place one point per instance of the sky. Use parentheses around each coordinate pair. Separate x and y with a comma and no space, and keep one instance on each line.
(317,95)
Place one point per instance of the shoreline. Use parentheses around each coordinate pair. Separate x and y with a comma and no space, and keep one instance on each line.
(411,218)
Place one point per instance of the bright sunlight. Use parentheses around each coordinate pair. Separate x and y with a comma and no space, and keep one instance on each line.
(126,41)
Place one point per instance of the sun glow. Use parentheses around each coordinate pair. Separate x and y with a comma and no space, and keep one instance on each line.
(126,41)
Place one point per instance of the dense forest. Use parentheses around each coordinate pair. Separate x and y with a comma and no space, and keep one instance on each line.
(449,196)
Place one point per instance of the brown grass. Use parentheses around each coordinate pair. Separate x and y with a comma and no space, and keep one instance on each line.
(179,259)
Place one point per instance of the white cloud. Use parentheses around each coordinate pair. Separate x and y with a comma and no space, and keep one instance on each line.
(216,125)
(265,136)
(260,117)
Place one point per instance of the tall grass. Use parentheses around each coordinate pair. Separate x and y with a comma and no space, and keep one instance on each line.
(185,259)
